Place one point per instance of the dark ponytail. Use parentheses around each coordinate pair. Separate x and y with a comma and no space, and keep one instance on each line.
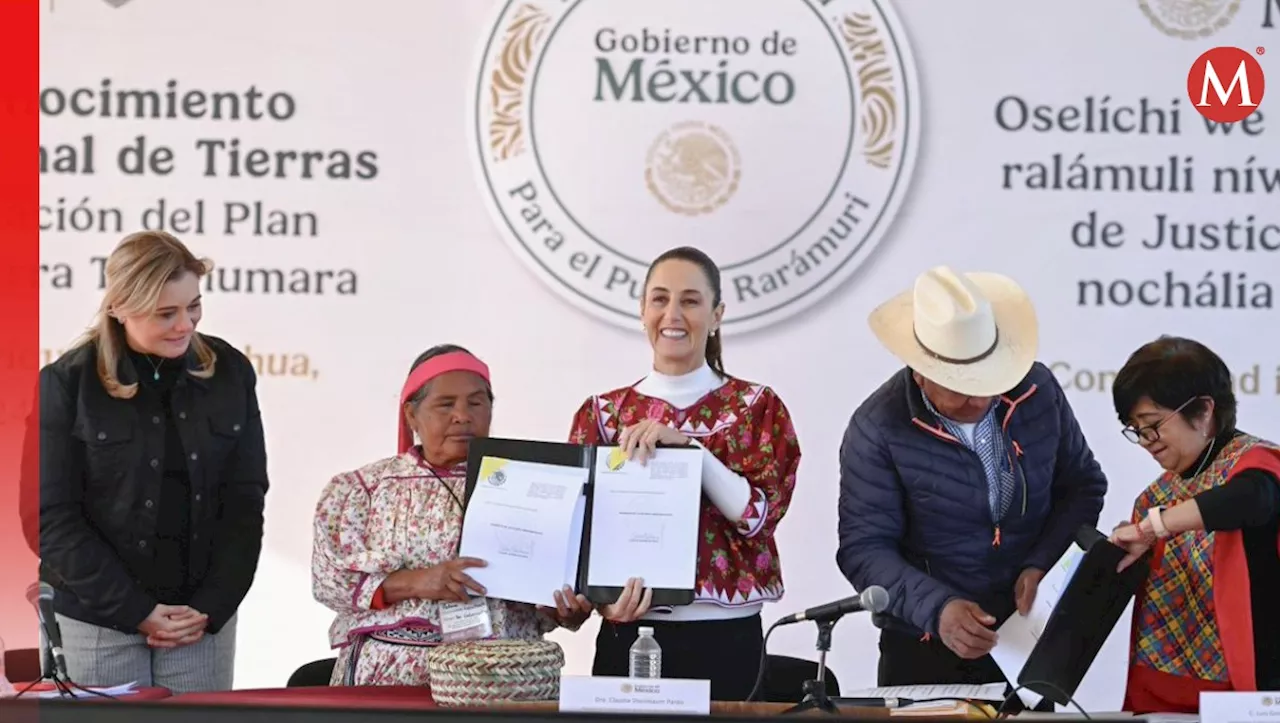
(715,357)
(715,351)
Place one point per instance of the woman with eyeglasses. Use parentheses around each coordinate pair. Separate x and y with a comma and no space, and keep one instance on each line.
(1206,619)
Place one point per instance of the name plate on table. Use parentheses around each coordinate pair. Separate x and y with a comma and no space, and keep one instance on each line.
(586,694)
(1240,707)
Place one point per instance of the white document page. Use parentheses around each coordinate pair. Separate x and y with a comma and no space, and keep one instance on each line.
(644,520)
(1018,635)
(519,520)
(993,692)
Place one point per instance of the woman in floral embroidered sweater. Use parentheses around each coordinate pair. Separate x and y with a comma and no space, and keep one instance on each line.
(385,555)
(749,471)
(1206,619)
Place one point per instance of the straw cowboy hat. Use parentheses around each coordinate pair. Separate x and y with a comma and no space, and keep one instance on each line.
(973,333)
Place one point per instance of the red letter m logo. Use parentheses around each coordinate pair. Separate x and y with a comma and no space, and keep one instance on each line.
(1231,101)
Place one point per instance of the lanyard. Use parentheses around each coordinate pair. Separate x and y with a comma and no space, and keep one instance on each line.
(456,501)
(446,487)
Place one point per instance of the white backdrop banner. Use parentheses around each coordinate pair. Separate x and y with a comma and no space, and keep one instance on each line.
(374,181)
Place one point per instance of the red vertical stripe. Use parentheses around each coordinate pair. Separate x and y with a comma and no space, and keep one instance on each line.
(19,313)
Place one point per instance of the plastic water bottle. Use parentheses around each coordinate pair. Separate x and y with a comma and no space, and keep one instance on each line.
(646,656)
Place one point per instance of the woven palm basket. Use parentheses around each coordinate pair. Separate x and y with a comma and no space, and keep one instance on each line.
(486,671)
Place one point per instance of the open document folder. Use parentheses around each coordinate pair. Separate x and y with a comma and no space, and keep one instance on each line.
(544,515)
(1078,604)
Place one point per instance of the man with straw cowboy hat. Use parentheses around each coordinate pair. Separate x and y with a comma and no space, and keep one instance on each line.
(962,478)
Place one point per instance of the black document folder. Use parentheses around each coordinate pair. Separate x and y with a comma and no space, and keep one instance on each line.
(1085,615)
(563,455)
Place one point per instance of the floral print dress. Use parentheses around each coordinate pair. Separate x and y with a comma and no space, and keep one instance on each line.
(748,428)
(394,514)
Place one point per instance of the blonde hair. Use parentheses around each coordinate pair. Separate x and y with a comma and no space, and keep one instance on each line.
(136,272)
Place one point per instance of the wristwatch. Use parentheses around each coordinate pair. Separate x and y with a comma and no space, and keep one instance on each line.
(1157,524)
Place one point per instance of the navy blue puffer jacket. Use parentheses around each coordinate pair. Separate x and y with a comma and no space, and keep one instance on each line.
(914,515)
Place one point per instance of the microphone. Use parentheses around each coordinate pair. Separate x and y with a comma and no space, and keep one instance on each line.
(40,595)
(874,600)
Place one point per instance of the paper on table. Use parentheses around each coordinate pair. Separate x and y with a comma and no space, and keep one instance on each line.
(519,520)
(1018,635)
(115,691)
(991,692)
(644,520)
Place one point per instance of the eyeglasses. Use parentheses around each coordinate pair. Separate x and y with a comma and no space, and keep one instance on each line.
(1151,433)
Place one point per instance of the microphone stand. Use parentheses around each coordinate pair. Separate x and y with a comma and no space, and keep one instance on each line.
(53,665)
(48,673)
(49,664)
(815,691)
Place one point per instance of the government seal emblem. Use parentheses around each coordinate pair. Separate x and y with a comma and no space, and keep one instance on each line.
(779,136)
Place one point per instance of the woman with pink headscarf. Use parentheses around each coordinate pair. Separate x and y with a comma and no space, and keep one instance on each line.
(386,542)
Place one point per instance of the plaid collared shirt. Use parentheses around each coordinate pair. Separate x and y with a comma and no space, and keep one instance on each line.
(989,444)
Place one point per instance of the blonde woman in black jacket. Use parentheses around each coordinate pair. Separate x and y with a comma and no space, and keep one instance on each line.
(152,481)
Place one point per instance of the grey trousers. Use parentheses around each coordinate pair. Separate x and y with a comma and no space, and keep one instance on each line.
(98,656)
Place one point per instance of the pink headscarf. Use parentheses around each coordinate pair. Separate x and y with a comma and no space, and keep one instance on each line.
(454,361)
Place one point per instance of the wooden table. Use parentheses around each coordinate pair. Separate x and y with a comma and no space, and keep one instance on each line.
(395,697)
(138,694)
(740,709)
(419,698)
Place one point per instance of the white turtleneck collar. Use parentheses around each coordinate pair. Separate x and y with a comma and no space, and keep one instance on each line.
(683,390)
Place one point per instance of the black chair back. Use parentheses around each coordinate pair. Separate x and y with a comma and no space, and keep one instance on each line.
(784,679)
(315,674)
(23,665)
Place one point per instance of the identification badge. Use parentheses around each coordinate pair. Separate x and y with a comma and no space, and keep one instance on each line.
(465,621)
